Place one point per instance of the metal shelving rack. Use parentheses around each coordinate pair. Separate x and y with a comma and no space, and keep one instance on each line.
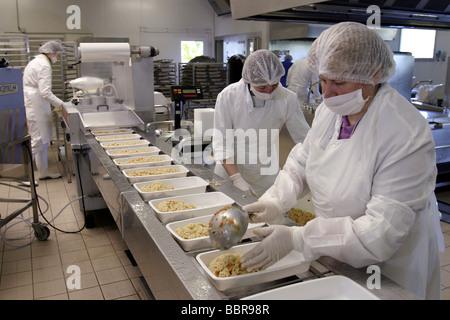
(212,77)
(164,76)
(14,48)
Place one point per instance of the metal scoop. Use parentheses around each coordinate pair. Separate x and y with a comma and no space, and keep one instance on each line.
(227,227)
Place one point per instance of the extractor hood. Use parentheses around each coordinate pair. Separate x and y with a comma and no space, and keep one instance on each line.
(394,13)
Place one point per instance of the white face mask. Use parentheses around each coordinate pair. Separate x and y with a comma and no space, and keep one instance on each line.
(346,104)
(53,59)
(263,95)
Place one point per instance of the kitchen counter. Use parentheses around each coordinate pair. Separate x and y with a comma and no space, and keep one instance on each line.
(172,273)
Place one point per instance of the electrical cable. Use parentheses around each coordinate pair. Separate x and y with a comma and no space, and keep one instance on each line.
(27,220)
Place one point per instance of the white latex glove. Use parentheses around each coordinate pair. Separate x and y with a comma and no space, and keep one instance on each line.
(278,242)
(240,183)
(270,211)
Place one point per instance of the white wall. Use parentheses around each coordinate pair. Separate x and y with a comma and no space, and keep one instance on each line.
(165,22)
(162,24)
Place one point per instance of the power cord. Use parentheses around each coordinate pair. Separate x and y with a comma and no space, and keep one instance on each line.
(27,220)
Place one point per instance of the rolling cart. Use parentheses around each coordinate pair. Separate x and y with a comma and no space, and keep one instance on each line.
(15,148)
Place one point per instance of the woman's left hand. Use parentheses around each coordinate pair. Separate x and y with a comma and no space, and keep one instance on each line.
(278,242)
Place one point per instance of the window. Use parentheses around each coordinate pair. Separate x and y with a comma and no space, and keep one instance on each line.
(419,42)
(190,50)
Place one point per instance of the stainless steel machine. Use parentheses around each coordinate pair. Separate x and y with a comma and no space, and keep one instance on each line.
(115,90)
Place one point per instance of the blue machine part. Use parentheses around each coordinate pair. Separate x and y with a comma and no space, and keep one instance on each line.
(12,114)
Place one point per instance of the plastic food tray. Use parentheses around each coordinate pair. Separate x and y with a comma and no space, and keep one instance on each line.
(118,137)
(113,131)
(293,263)
(205,203)
(165,160)
(183,186)
(328,288)
(139,152)
(202,242)
(125,144)
(182,173)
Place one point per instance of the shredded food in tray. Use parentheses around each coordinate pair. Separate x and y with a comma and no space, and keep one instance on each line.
(140,160)
(151,172)
(155,186)
(124,143)
(116,137)
(174,205)
(227,265)
(193,230)
(131,151)
(110,131)
(300,216)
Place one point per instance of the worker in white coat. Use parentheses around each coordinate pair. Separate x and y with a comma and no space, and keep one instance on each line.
(369,163)
(39,102)
(305,83)
(247,120)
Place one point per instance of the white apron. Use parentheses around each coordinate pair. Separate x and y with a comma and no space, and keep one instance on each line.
(372,204)
(235,110)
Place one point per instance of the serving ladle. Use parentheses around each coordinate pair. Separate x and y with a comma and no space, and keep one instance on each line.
(227,227)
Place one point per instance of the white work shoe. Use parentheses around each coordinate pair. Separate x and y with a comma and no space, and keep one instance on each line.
(48,175)
(27,183)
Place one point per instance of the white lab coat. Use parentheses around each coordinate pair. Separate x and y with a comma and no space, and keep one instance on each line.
(373,194)
(37,89)
(235,110)
(299,80)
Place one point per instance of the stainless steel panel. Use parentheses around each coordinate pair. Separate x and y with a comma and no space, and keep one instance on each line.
(402,79)
(172,273)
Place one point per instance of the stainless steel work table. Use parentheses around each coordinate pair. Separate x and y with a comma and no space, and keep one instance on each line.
(169,271)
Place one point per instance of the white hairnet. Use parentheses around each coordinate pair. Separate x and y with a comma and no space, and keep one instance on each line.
(350,51)
(51,47)
(262,67)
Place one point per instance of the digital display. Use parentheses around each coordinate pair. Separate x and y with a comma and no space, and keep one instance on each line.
(182,93)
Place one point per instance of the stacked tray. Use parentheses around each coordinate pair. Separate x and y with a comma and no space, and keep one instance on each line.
(181,186)
(292,264)
(143,161)
(154,173)
(201,242)
(132,152)
(117,144)
(118,137)
(173,188)
(110,131)
(205,204)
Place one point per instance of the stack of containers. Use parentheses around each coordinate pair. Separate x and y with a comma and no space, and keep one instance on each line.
(159,182)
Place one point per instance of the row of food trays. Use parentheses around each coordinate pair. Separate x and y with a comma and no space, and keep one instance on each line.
(182,203)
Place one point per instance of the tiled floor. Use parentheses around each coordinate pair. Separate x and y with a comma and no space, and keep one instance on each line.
(41,270)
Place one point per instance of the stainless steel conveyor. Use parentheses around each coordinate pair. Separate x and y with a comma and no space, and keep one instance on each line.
(169,271)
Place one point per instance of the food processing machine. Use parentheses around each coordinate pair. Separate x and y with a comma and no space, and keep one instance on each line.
(115,90)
